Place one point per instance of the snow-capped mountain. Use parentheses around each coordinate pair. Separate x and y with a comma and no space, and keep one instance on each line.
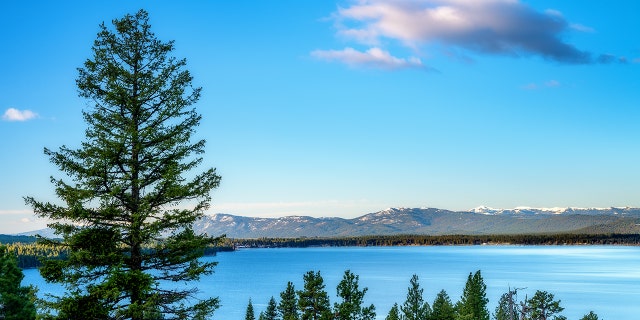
(482,220)
(430,221)
(556,210)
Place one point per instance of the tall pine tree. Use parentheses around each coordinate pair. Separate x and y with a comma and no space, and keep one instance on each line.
(473,303)
(133,196)
(442,307)
(288,306)
(313,300)
(415,308)
(271,312)
(543,306)
(351,308)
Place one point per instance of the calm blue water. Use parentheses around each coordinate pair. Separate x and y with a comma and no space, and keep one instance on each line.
(605,279)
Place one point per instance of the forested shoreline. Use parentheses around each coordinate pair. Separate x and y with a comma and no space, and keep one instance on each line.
(30,251)
(435,240)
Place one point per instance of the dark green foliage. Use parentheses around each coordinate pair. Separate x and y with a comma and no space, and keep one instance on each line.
(250,314)
(128,211)
(415,308)
(442,308)
(590,316)
(507,308)
(271,313)
(313,300)
(288,306)
(473,303)
(542,306)
(350,308)
(16,301)
(394,313)
(428,240)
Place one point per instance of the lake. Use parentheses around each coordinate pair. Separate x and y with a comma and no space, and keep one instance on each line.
(605,279)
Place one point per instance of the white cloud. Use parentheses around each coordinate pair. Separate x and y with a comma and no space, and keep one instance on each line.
(374,57)
(13,114)
(498,27)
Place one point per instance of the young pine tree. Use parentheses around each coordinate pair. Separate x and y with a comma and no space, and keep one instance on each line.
(133,197)
(16,301)
(250,314)
(442,308)
(415,308)
(313,300)
(270,313)
(542,306)
(394,313)
(473,303)
(288,306)
(350,308)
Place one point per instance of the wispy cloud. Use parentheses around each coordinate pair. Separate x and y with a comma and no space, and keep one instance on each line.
(13,114)
(374,57)
(552,83)
(546,84)
(16,212)
(494,27)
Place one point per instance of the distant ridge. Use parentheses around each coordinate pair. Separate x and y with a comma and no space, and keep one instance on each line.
(426,221)
(430,221)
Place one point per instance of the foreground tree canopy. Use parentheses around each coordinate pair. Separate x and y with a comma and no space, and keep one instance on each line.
(16,301)
(128,210)
(313,303)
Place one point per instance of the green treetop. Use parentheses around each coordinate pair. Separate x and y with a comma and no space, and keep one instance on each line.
(394,313)
(288,306)
(542,306)
(442,307)
(473,303)
(590,316)
(250,314)
(271,312)
(414,307)
(350,308)
(313,300)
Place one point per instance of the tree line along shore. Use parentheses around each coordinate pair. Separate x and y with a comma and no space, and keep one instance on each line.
(30,252)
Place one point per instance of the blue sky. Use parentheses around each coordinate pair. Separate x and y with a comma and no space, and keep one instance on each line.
(327,108)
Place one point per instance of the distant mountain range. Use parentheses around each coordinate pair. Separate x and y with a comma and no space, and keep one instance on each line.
(429,221)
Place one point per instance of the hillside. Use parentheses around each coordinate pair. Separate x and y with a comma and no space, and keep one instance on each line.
(430,221)
(424,221)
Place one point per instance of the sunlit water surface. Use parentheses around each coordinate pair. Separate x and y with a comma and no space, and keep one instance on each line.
(605,279)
